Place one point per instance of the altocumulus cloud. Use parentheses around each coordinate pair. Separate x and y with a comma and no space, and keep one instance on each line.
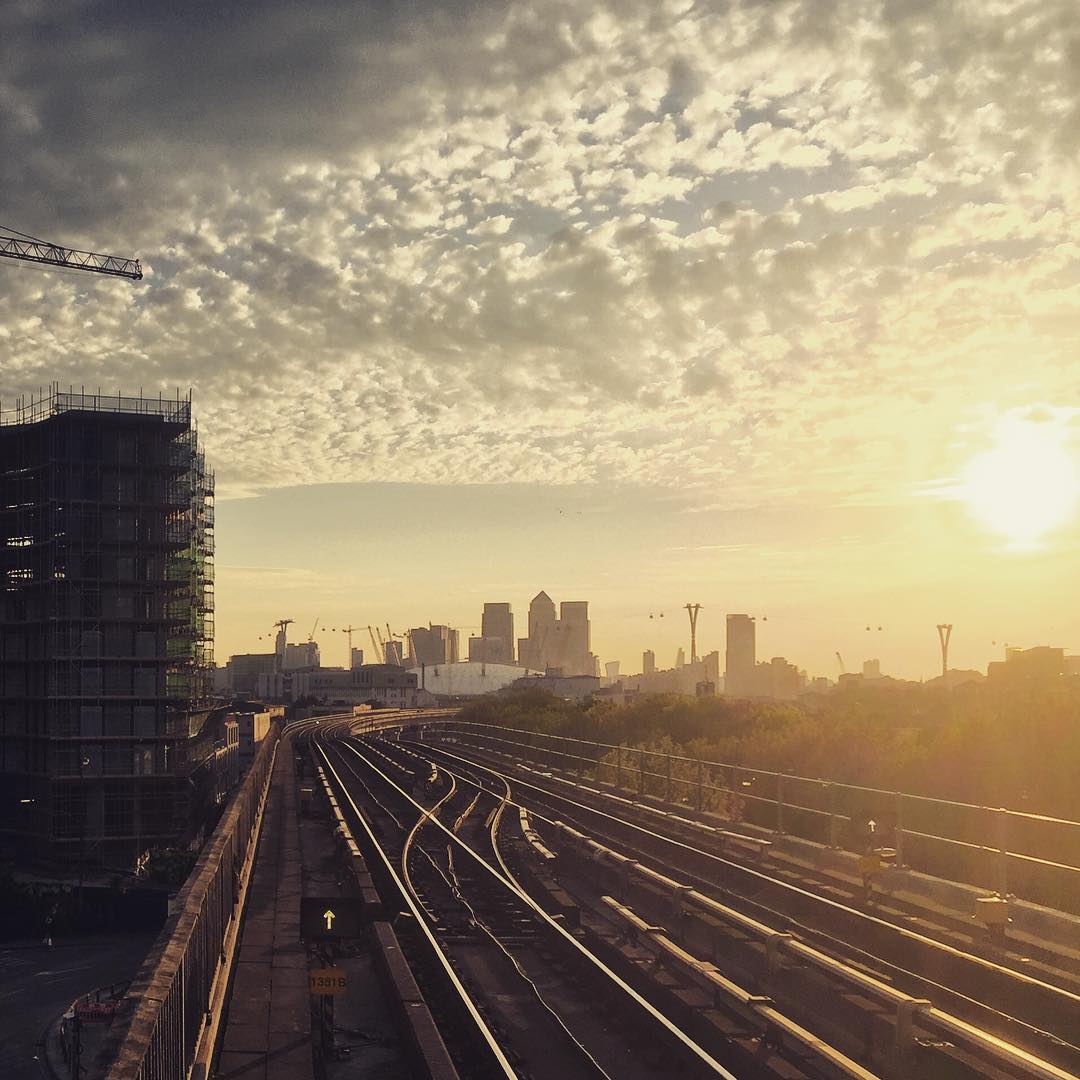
(677,243)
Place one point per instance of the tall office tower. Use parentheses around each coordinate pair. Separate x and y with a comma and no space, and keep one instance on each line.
(106,627)
(356,656)
(497,626)
(648,662)
(394,654)
(741,655)
(574,638)
(537,651)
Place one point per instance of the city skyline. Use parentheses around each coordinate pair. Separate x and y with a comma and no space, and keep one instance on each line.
(771,308)
(813,606)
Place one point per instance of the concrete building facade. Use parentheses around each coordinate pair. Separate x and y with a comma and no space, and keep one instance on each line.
(386,684)
(433,644)
(741,655)
(497,627)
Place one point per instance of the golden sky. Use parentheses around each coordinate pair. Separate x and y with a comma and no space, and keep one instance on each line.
(772,307)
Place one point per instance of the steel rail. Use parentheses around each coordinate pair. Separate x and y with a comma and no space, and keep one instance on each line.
(873,920)
(406,850)
(492,824)
(481,1027)
(805,1039)
(818,783)
(689,1045)
(705,974)
(1018,1057)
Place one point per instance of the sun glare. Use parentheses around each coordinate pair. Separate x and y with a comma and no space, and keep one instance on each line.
(1027,485)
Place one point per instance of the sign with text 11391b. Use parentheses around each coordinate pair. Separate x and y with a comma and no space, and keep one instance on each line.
(327,981)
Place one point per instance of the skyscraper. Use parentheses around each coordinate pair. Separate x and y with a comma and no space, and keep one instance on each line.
(106,620)
(561,643)
(536,650)
(497,627)
(575,657)
(741,655)
(433,644)
(648,662)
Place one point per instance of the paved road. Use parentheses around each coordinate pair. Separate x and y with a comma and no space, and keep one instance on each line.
(37,984)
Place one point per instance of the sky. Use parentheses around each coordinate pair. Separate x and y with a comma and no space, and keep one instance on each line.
(768,306)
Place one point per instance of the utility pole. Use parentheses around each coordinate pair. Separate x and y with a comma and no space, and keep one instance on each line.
(944,631)
(692,610)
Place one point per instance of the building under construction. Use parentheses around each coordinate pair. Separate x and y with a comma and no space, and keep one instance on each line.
(106,626)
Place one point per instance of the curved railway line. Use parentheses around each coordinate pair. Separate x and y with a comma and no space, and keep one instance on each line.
(558,990)
(1007,1020)
(501,1015)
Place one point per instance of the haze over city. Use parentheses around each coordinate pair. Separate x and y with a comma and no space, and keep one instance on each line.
(641,302)
(537,540)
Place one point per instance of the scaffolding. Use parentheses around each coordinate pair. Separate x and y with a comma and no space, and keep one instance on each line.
(106,622)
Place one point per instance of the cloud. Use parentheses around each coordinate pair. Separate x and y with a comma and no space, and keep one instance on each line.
(690,244)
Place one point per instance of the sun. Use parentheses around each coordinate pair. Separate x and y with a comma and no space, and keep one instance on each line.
(1026,485)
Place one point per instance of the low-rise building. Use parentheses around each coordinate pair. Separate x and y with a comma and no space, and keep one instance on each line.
(570,687)
(468,679)
(386,684)
(253,723)
(242,672)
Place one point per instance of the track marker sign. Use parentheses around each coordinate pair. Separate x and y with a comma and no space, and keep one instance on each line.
(330,918)
(327,981)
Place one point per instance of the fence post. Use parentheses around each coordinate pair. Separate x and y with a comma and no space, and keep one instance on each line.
(670,794)
(780,804)
(580,758)
(700,784)
(598,775)
(618,767)
(641,772)
(1002,858)
(834,821)
(898,831)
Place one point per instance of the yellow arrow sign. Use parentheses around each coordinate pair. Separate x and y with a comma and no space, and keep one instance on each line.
(329,916)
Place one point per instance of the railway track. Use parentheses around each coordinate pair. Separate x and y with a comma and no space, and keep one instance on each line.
(502,1001)
(549,993)
(1018,1024)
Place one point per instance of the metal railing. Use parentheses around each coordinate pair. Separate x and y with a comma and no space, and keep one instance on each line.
(1006,851)
(31,408)
(159,1020)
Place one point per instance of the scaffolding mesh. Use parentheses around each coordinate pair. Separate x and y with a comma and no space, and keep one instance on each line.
(106,621)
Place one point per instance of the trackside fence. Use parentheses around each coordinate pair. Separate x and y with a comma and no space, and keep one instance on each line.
(1005,851)
(160,1019)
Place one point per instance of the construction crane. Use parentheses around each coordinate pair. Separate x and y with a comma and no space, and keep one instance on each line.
(348,631)
(840,661)
(26,248)
(377,645)
(311,636)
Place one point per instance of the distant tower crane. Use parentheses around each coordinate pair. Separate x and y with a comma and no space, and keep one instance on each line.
(692,610)
(376,647)
(348,631)
(279,641)
(26,248)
